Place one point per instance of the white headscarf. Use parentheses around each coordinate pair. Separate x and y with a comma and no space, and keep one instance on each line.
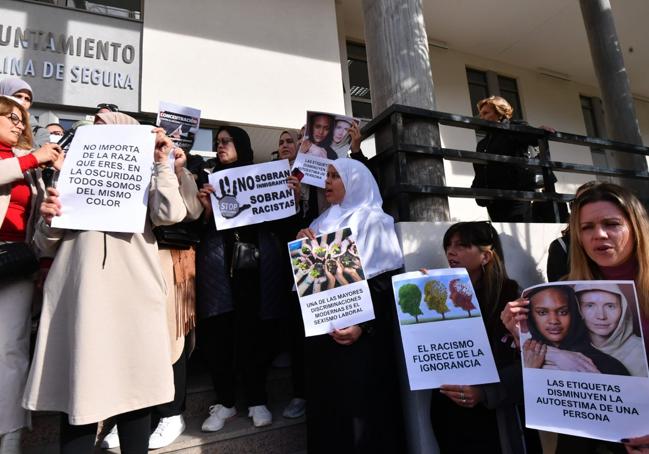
(622,344)
(361,210)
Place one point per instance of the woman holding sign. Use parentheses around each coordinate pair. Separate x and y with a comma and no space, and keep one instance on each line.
(352,389)
(240,296)
(490,412)
(21,190)
(608,240)
(103,345)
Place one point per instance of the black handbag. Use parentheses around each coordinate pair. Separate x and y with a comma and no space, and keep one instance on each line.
(17,260)
(176,236)
(245,256)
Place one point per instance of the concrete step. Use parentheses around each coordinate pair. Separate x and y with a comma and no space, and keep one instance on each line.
(239,436)
(283,436)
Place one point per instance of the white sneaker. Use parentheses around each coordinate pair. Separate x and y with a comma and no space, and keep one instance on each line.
(295,408)
(167,431)
(111,440)
(260,415)
(10,442)
(218,415)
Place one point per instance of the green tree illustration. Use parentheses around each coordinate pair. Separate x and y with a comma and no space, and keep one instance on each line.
(409,300)
(435,296)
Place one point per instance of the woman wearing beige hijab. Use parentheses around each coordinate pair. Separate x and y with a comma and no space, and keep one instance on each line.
(103,345)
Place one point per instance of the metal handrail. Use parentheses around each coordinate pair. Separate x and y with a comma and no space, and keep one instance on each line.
(544,163)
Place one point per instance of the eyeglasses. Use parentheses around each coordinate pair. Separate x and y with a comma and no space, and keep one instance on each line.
(224,141)
(15,119)
(105,105)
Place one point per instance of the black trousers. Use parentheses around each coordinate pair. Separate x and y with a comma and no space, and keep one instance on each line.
(296,346)
(134,429)
(176,406)
(233,342)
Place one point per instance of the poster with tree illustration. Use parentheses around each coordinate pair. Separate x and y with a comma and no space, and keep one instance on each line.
(454,352)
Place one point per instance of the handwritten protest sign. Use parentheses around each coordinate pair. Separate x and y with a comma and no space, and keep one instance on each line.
(252,194)
(585,368)
(105,178)
(180,123)
(312,168)
(443,334)
(330,282)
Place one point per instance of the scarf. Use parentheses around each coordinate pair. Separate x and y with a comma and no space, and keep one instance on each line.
(361,210)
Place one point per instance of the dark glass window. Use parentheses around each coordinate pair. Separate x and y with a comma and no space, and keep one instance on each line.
(483,84)
(588,111)
(359,81)
(128,9)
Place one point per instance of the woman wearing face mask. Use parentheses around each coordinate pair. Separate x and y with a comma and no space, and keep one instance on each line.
(103,344)
(493,411)
(21,190)
(352,387)
(607,241)
(239,310)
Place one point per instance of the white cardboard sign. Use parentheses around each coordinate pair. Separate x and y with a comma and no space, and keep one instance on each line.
(105,178)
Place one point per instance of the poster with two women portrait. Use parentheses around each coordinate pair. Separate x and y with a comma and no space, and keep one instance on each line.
(584,360)
(330,282)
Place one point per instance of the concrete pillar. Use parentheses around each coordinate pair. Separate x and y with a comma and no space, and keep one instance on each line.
(399,73)
(621,120)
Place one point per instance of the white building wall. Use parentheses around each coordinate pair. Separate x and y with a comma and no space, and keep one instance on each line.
(246,61)
(545,101)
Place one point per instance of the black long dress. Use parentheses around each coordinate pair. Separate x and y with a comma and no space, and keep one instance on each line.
(461,430)
(352,391)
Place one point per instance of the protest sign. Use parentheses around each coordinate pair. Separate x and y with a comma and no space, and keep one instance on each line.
(327,135)
(252,194)
(330,282)
(105,177)
(584,360)
(313,169)
(180,123)
(442,331)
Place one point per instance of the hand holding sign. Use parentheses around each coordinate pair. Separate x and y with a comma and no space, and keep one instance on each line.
(51,206)
(227,202)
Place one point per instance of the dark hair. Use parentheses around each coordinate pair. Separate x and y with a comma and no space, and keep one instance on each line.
(577,333)
(241,141)
(483,235)
(326,142)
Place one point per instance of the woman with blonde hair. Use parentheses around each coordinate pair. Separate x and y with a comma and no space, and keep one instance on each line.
(607,241)
(497,175)
(21,189)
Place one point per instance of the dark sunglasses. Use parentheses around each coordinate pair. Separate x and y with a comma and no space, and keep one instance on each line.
(105,105)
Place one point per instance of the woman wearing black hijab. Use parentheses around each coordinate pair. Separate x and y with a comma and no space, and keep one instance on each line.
(238,310)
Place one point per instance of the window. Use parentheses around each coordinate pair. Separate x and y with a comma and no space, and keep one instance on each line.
(591,109)
(359,81)
(483,84)
(128,9)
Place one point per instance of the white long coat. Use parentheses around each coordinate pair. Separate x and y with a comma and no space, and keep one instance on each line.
(103,343)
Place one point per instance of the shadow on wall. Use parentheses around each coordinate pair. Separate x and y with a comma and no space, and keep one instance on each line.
(525,247)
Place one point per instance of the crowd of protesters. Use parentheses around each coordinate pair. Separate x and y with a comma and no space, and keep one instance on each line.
(120,313)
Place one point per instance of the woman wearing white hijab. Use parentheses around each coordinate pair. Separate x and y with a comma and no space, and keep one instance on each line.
(351,372)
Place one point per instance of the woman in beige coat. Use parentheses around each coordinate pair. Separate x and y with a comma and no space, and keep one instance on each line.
(21,190)
(103,345)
